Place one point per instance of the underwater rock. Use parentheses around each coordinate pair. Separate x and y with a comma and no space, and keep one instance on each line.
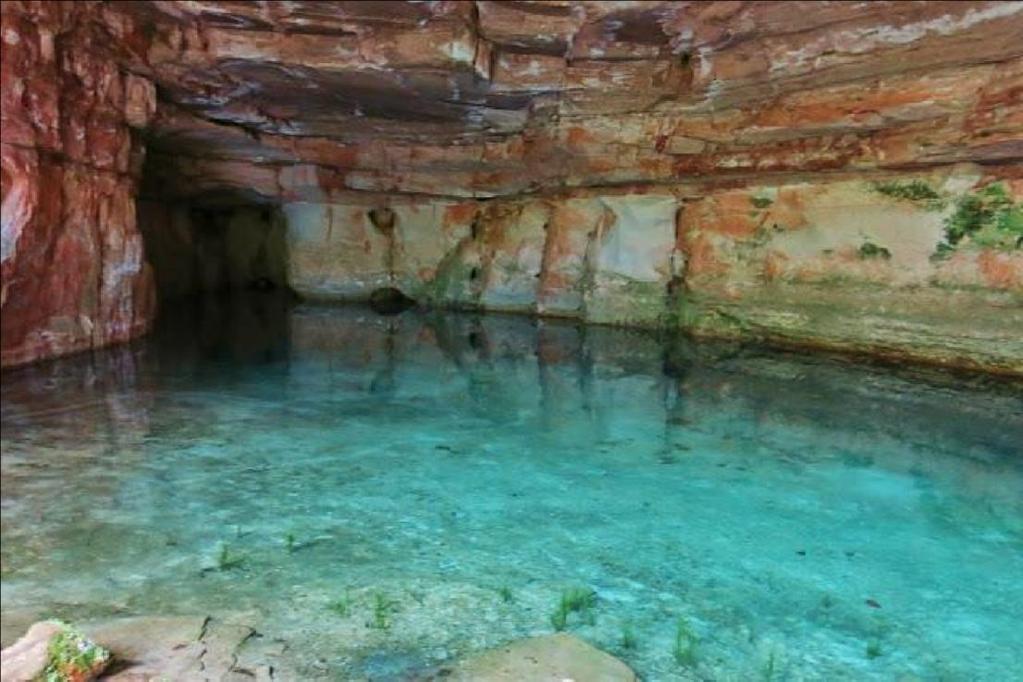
(551,658)
(389,301)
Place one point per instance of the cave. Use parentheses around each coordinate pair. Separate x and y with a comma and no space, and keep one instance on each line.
(531,339)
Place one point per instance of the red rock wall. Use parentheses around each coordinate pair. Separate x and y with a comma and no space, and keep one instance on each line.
(73,272)
(710,164)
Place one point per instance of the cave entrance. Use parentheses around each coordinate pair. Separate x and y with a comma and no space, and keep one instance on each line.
(198,249)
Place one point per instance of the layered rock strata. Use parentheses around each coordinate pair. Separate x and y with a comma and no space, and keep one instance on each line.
(815,173)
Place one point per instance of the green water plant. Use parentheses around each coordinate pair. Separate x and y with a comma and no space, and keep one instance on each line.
(227,561)
(341,606)
(874,649)
(761,202)
(289,543)
(628,638)
(573,600)
(71,656)
(382,610)
(769,669)
(684,649)
(505,593)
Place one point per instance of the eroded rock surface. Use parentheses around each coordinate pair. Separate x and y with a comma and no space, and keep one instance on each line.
(706,165)
(73,271)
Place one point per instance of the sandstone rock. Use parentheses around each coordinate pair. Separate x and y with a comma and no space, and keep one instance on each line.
(586,159)
(50,644)
(648,92)
(73,274)
(553,658)
(186,647)
(26,659)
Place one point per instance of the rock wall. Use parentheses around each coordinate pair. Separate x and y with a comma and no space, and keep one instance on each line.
(924,266)
(73,272)
(832,174)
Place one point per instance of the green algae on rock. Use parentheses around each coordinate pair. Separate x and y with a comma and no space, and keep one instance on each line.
(53,651)
(73,657)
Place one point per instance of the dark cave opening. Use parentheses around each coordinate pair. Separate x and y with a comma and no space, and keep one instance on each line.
(197,249)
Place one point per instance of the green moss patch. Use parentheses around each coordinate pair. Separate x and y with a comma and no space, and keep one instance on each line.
(987,217)
(916,191)
(73,657)
(870,250)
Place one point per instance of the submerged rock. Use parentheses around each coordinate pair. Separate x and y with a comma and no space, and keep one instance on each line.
(551,657)
(390,301)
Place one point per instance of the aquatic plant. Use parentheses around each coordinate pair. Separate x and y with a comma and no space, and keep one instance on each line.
(872,250)
(226,561)
(684,650)
(70,656)
(573,600)
(914,190)
(289,543)
(341,606)
(769,667)
(505,593)
(628,641)
(382,610)
(874,649)
(761,201)
(988,217)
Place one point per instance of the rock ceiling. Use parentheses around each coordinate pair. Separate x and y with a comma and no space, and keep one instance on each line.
(298,99)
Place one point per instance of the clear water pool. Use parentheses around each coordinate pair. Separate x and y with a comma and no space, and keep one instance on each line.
(804,518)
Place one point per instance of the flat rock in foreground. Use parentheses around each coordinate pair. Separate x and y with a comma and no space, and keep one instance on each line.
(557,658)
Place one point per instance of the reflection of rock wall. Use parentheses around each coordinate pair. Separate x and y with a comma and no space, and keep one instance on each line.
(688,386)
(845,263)
(73,272)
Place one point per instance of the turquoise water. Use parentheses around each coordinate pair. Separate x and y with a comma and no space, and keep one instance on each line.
(392,493)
